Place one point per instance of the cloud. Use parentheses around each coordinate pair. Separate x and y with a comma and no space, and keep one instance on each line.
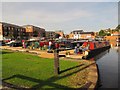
(65,16)
(46,16)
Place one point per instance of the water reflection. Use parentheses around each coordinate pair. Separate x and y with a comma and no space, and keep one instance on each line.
(114,44)
(100,55)
(108,66)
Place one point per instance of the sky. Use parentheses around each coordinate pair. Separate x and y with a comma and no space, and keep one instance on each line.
(66,16)
(60,0)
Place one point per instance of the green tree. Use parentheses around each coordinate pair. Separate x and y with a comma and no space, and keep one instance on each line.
(118,27)
(102,33)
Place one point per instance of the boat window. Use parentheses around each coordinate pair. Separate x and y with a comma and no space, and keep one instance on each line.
(95,45)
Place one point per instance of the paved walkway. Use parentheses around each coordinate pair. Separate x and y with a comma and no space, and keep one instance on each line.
(93,76)
(44,54)
(40,53)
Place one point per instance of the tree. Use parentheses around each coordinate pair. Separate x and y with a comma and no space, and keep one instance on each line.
(118,27)
(102,33)
(67,36)
(108,34)
(57,35)
(109,30)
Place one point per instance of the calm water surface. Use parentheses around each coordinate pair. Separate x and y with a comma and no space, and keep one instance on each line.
(108,67)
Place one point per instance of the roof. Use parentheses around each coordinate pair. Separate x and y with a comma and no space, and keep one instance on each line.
(77,31)
(32,26)
(9,24)
(86,32)
(50,31)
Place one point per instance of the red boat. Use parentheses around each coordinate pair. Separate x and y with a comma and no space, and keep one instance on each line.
(94,48)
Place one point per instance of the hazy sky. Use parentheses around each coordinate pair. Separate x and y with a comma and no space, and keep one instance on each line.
(66,16)
(59,0)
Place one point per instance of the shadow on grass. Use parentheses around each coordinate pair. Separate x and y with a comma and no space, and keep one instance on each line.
(40,83)
(71,68)
(5,52)
(48,82)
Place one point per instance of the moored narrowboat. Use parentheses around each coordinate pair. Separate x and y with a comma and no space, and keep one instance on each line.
(94,48)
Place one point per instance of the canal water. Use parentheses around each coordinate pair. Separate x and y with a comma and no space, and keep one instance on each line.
(107,63)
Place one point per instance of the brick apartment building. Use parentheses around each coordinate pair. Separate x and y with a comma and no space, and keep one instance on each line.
(11,31)
(34,31)
(50,35)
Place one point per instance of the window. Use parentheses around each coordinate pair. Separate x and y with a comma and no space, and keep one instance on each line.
(4,27)
(18,29)
(5,33)
(9,28)
(12,28)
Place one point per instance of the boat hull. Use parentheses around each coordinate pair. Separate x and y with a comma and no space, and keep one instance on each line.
(95,52)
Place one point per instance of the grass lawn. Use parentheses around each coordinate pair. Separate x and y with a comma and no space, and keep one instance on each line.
(29,71)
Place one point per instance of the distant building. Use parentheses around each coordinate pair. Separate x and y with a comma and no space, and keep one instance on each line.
(96,34)
(114,37)
(50,34)
(70,36)
(79,34)
(87,35)
(11,31)
(115,34)
(34,31)
(75,34)
(76,31)
(1,32)
(61,33)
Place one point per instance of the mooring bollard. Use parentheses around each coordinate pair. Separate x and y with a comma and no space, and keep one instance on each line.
(56,62)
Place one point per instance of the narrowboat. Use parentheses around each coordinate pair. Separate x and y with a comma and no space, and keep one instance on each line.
(95,48)
(74,43)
